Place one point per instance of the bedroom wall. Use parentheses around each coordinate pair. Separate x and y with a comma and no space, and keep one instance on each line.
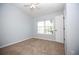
(72,28)
(15,25)
(45,36)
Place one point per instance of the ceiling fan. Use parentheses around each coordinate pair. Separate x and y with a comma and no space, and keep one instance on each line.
(32,5)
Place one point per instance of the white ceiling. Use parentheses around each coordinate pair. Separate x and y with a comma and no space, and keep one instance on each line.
(43,8)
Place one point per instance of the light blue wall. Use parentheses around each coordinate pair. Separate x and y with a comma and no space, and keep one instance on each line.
(15,25)
(72,29)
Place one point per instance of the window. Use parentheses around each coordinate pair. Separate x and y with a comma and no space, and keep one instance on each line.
(45,27)
(41,27)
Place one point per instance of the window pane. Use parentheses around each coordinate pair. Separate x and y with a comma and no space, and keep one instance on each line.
(45,27)
(41,23)
(47,23)
(41,31)
(40,27)
(52,25)
(49,27)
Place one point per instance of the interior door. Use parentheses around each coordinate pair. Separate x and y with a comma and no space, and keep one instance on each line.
(59,29)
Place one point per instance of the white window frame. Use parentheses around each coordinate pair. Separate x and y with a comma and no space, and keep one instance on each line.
(52,22)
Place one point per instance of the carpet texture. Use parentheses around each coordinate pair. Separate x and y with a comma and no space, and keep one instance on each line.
(34,47)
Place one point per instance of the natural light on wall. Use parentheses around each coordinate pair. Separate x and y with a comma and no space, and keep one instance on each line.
(45,27)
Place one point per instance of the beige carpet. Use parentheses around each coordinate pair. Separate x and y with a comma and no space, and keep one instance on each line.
(34,47)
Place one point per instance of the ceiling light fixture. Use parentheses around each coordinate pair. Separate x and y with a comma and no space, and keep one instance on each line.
(32,5)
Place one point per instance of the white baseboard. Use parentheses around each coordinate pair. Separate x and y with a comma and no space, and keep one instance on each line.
(24,40)
(14,42)
(48,39)
(44,38)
